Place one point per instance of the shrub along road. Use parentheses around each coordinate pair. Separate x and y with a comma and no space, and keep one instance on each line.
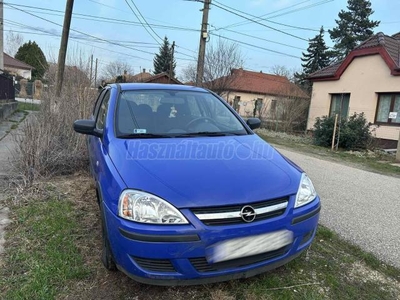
(361,206)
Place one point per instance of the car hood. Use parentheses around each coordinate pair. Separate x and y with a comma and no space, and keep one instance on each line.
(205,171)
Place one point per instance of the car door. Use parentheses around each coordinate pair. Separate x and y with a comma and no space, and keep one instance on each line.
(96,147)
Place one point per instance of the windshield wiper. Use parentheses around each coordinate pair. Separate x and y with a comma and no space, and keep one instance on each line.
(143,136)
(207,133)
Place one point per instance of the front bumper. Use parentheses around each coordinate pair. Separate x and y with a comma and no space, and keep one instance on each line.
(176,255)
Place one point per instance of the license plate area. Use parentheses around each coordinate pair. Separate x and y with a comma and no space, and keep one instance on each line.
(248,246)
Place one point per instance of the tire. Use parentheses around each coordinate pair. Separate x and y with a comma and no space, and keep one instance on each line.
(107,257)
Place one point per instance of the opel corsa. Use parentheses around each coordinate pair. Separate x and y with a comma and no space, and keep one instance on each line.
(188,194)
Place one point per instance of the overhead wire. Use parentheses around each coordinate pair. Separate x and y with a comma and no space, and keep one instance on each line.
(266,20)
(137,17)
(259,23)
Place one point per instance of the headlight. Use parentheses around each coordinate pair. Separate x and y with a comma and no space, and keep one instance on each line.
(146,208)
(306,192)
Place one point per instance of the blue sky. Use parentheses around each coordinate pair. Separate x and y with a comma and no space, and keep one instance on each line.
(180,21)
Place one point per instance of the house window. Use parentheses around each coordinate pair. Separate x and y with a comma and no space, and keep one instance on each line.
(388,103)
(339,105)
(273,105)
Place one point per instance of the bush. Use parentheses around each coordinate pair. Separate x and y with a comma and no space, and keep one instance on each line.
(354,133)
(47,144)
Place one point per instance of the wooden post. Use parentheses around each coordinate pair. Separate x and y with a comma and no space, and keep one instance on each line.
(334,132)
(64,45)
(398,149)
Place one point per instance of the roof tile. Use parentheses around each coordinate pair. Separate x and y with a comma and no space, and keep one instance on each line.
(262,83)
(12,62)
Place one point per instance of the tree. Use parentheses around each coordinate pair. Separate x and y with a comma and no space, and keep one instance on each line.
(162,60)
(316,58)
(353,26)
(31,54)
(284,71)
(117,68)
(13,42)
(219,61)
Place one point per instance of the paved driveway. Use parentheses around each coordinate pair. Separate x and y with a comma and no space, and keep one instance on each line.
(361,206)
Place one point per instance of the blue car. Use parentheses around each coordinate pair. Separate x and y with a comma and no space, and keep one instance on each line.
(188,194)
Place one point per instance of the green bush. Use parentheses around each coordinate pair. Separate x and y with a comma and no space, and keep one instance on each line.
(354,133)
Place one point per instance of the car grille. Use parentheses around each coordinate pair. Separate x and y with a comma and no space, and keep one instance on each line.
(155,265)
(227,215)
(202,265)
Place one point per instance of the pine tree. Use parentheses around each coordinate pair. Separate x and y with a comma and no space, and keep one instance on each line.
(162,61)
(353,26)
(31,54)
(317,57)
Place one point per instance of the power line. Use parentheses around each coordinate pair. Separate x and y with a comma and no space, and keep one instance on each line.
(98,19)
(107,20)
(266,20)
(137,17)
(77,39)
(144,19)
(283,13)
(254,21)
(255,46)
(83,33)
(262,39)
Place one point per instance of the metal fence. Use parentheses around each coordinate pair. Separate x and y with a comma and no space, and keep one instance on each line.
(7,91)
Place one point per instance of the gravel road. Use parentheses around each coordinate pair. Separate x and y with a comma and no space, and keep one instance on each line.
(362,207)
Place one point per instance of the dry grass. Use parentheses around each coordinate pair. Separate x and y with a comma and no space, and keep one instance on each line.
(48,145)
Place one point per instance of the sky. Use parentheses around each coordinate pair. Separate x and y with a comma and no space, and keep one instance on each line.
(110,31)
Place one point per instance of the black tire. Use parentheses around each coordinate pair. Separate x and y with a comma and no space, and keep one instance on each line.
(107,257)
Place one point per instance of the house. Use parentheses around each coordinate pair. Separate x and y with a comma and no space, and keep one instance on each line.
(17,67)
(145,77)
(368,81)
(270,97)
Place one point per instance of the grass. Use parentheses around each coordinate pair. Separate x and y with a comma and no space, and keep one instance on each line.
(42,254)
(379,162)
(53,251)
(22,106)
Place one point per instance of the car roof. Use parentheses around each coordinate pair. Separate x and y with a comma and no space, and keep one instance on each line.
(158,86)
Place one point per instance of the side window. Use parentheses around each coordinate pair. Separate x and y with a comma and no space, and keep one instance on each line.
(98,102)
(101,116)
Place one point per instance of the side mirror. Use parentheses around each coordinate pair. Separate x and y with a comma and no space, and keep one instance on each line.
(86,127)
(253,123)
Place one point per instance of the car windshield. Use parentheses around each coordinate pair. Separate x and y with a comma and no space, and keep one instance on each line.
(166,113)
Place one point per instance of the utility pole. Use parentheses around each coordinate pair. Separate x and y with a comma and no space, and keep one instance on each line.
(172,61)
(63,46)
(91,70)
(1,37)
(203,40)
(95,73)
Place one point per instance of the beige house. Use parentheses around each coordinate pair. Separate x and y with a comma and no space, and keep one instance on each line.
(259,94)
(367,80)
(17,67)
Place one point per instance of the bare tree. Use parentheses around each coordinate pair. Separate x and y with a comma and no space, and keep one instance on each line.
(117,68)
(13,42)
(219,61)
(283,71)
(287,112)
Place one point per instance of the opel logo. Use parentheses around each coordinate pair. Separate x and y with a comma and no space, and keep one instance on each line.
(248,214)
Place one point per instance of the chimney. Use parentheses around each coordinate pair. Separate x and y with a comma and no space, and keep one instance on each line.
(144,70)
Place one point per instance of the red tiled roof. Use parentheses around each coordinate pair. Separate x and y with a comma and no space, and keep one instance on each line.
(265,84)
(387,46)
(12,62)
(140,77)
(154,78)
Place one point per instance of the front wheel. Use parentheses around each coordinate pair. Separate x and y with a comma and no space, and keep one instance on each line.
(106,254)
